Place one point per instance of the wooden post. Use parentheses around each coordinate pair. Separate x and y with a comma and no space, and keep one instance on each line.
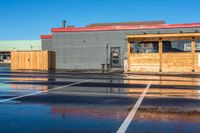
(160,53)
(193,54)
(128,52)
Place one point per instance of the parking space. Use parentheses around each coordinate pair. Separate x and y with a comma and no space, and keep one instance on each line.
(96,102)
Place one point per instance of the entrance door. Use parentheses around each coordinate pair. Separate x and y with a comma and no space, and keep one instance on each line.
(115,56)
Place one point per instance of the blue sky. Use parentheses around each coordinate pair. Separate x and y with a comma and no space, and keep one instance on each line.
(27,19)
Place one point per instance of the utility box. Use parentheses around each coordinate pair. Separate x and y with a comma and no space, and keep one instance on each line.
(33,60)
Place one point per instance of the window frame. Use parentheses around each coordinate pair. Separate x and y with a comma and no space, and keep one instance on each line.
(170,40)
(196,44)
(138,42)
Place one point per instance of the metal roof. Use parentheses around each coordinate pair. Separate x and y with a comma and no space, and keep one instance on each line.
(8,45)
(125,27)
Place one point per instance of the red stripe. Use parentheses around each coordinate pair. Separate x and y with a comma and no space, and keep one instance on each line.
(46,36)
(127,27)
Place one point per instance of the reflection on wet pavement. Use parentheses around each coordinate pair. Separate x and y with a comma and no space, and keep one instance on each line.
(172,103)
(63,118)
(170,86)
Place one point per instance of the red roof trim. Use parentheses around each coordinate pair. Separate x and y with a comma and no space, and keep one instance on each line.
(46,36)
(126,27)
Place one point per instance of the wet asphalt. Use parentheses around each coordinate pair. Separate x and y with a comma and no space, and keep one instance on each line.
(97,102)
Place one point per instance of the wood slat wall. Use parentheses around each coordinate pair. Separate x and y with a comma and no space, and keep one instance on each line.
(32,60)
(196,67)
(177,62)
(171,62)
(144,62)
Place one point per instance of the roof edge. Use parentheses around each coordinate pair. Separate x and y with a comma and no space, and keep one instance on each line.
(46,36)
(125,27)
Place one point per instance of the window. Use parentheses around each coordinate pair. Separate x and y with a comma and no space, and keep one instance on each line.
(144,47)
(177,46)
(197,46)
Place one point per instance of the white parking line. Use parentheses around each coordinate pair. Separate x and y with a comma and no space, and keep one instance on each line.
(130,116)
(35,93)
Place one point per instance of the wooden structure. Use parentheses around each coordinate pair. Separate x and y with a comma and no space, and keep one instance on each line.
(164,61)
(32,60)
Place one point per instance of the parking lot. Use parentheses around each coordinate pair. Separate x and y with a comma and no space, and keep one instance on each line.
(96,102)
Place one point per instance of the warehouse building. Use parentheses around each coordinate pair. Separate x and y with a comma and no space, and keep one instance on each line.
(6,46)
(138,46)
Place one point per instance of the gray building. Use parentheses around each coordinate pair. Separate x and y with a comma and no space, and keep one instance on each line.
(90,47)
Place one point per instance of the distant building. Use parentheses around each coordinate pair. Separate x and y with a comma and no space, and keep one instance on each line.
(6,46)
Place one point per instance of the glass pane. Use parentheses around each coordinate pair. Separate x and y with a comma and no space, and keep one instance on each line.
(177,46)
(144,47)
(197,46)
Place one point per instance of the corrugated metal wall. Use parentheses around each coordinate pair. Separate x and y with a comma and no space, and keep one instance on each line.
(87,50)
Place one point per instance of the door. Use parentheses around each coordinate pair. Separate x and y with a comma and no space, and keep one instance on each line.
(115,56)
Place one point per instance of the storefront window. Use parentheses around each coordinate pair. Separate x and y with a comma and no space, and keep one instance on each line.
(197,46)
(144,47)
(177,46)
